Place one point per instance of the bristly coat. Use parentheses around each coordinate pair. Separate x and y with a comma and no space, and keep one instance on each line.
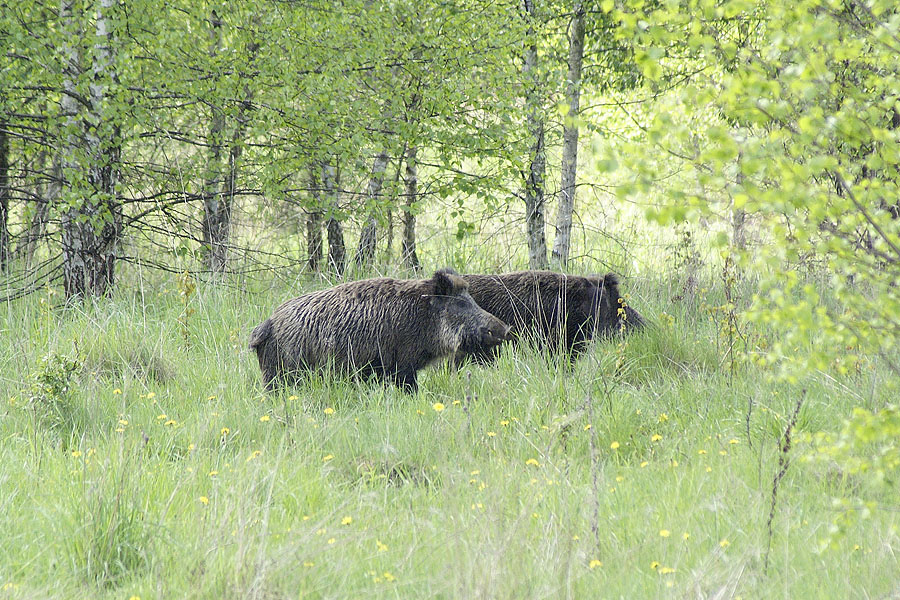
(386,328)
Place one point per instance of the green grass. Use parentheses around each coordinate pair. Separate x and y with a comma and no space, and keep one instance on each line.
(172,474)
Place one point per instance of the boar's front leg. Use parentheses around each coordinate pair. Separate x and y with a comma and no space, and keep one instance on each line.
(405,378)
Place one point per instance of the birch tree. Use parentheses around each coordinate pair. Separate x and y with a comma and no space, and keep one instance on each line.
(569,167)
(537,160)
(411,183)
(91,217)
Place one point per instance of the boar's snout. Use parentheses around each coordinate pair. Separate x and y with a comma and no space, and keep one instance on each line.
(495,333)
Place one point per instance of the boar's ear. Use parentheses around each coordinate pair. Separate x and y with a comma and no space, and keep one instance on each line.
(610,283)
(447,282)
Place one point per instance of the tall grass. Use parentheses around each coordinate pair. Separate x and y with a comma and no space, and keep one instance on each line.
(643,471)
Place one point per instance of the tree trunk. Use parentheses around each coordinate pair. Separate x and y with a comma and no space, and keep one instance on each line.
(92,222)
(314,224)
(534,179)
(47,195)
(569,166)
(4,196)
(337,251)
(216,211)
(366,251)
(411,179)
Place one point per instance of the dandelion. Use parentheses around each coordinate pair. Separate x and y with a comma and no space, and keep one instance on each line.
(387,576)
(123,422)
(437,406)
(292,397)
(331,540)
(456,402)
(724,543)
(210,397)
(644,464)
(171,422)
(213,473)
(381,546)
(491,433)
(255,454)
(328,410)
(701,452)
(117,391)
(595,563)
(664,533)
(654,565)
(656,437)
(685,535)
(575,538)
(663,417)
(203,500)
(533,462)
(614,445)
(504,422)
(327,457)
(225,431)
(264,419)
(162,417)
(734,441)
(346,520)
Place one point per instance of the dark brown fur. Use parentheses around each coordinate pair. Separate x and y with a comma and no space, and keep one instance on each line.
(555,310)
(387,328)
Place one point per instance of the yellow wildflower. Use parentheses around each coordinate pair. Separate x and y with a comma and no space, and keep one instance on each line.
(204,500)
(655,437)
(664,533)
(595,563)
(264,418)
(533,462)
(328,410)
(346,520)
(614,445)
(437,406)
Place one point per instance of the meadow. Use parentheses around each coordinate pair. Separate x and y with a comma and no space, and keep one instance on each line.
(142,459)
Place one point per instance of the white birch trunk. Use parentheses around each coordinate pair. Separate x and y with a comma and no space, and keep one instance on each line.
(534,178)
(91,222)
(569,168)
(411,181)
(365,253)
(337,251)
